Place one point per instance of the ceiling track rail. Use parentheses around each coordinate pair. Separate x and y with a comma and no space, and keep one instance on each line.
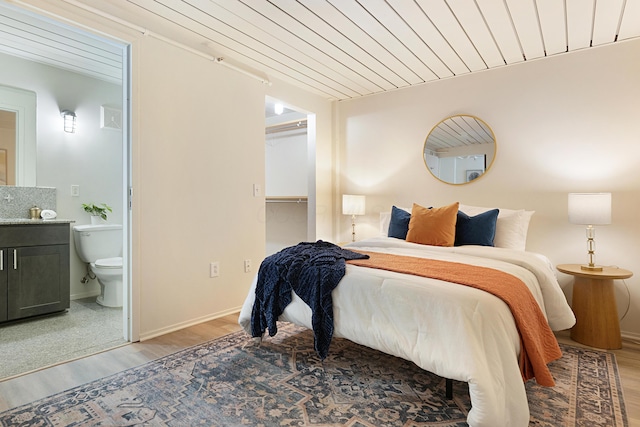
(143,31)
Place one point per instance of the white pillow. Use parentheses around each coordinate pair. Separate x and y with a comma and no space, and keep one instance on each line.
(385,219)
(511,228)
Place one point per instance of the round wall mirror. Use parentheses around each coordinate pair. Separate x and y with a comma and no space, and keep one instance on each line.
(459,149)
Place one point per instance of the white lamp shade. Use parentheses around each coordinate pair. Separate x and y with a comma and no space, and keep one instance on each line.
(353,205)
(590,208)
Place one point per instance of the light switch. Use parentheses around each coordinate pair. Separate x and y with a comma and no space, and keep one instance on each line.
(257,190)
(214,269)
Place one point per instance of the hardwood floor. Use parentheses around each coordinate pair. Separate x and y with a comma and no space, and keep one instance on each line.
(27,388)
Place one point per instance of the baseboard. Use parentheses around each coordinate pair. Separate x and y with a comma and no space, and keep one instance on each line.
(84,295)
(182,325)
(631,336)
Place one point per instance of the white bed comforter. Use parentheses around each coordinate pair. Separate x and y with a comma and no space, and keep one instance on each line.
(454,331)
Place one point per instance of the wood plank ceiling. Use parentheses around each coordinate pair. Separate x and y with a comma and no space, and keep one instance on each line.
(38,39)
(344,49)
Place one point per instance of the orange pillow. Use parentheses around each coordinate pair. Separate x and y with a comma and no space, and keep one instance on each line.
(435,226)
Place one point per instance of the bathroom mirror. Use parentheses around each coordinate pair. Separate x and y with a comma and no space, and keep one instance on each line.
(18,136)
(459,149)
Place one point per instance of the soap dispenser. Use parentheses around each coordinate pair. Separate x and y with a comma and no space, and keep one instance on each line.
(34,212)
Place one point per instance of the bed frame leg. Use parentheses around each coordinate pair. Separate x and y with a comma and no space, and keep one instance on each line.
(449,388)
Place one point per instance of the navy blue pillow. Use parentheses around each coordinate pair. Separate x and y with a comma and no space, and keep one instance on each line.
(476,230)
(399,223)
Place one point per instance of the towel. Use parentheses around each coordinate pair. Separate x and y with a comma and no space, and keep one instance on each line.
(48,214)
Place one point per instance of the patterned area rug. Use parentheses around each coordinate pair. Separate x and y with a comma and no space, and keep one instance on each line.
(232,382)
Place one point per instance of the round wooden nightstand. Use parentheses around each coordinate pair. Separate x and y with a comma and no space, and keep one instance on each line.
(594,305)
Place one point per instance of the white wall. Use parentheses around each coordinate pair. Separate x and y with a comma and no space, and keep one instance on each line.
(90,158)
(564,124)
(198,151)
(286,167)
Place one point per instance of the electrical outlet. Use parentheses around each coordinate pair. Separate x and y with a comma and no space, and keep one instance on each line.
(214,269)
(75,191)
(247,265)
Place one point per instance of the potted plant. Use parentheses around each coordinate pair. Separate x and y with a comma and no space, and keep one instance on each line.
(98,212)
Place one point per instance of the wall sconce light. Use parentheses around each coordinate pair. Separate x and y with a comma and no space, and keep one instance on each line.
(69,121)
(590,209)
(353,205)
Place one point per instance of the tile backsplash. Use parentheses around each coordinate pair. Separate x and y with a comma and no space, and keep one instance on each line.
(15,202)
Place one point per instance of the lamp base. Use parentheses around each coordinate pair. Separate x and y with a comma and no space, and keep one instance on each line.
(591,267)
(353,228)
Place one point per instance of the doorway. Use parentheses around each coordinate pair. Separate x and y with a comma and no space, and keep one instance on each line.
(89,166)
(289,175)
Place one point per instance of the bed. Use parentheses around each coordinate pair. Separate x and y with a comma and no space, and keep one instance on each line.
(454,331)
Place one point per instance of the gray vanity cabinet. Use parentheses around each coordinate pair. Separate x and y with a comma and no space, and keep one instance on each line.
(34,278)
(3,285)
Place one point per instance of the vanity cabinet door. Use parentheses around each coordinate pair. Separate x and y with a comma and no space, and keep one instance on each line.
(3,284)
(38,280)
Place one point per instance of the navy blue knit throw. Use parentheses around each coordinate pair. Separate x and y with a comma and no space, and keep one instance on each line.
(310,269)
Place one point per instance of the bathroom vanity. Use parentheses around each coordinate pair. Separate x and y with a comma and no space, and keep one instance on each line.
(34,267)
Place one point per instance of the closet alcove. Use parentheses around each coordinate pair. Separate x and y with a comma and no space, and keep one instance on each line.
(286,182)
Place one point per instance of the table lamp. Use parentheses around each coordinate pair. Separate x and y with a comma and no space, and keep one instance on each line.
(590,209)
(353,205)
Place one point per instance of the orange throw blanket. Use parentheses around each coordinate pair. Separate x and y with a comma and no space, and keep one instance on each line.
(538,344)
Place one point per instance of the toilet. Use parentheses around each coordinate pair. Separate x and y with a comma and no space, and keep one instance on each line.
(101,246)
